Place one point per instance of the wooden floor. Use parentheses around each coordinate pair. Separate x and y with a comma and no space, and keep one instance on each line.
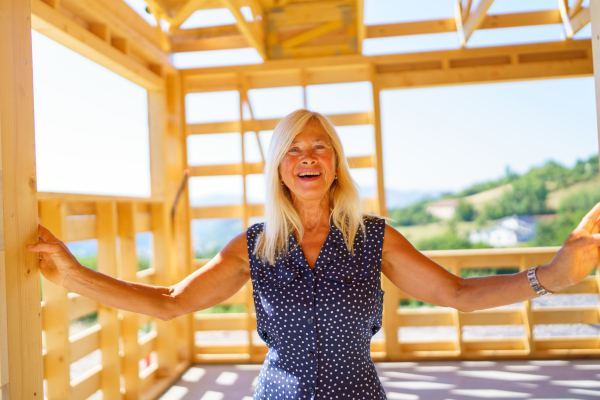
(549,379)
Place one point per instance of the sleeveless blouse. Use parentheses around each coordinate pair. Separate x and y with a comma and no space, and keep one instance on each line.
(318,323)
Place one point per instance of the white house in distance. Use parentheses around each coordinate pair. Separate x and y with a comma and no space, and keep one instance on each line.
(506,232)
(443,209)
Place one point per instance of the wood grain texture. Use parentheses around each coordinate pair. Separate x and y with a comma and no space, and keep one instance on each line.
(22,324)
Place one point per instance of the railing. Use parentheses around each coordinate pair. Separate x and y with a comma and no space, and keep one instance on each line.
(148,353)
(393,348)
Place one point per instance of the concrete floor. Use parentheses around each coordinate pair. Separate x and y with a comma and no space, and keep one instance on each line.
(534,380)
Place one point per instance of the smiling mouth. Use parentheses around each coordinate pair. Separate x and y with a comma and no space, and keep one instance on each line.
(309,176)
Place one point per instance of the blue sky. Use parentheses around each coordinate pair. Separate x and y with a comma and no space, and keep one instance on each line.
(91,125)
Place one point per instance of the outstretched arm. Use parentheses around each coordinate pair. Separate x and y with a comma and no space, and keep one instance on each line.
(218,280)
(425,280)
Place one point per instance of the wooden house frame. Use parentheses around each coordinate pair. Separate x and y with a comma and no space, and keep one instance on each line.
(303,43)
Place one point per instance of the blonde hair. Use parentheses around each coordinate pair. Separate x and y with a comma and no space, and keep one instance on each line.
(281,218)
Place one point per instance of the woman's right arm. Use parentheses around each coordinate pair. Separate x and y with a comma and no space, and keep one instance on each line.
(215,282)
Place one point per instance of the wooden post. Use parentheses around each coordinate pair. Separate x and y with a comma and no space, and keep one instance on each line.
(456,315)
(56,313)
(166,333)
(106,212)
(595,18)
(130,324)
(180,240)
(527,315)
(21,372)
(376,121)
(390,320)
(157,129)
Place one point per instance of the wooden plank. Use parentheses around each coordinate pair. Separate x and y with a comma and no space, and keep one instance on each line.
(69,33)
(311,34)
(486,74)
(390,320)
(568,342)
(475,19)
(146,276)
(410,347)
(252,31)
(425,317)
(496,21)
(376,122)
(587,286)
(232,211)
(80,228)
(184,12)
(216,170)
(56,313)
(107,316)
(87,384)
(147,344)
(495,316)
(20,315)
(493,344)
(76,197)
(131,321)
(595,19)
(220,322)
(80,208)
(80,306)
(361,162)
(165,276)
(228,42)
(85,342)
(566,315)
(214,127)
(157,129)
(143,223)
(148,377)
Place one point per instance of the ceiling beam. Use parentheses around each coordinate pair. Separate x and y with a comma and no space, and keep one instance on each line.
(573,24)
(474,20)
(361,30)
(252,31)
(533,18)
(190,7)
(311,34)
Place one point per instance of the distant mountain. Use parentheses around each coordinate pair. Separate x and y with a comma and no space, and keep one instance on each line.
(401,199)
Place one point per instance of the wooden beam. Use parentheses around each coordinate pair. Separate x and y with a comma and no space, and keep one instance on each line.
(188,8)
(580,20)
(496,21)
(69,33)
(563,7)
(311,34)
(595,18)
(475,20)
(576,8)
(123,23)
(21,374)
(361,29)
(237,41)
(108,316)
(252,31)
(459,19)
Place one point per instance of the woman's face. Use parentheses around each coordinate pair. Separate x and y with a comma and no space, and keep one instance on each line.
(308,168)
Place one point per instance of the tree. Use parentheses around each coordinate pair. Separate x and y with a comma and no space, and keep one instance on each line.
(464,211)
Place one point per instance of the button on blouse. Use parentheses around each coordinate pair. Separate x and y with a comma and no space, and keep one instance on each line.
(318,323)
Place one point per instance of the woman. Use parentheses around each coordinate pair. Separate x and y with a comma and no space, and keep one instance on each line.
(315,267)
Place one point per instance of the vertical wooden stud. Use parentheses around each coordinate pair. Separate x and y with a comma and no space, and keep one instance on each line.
(456,315)
(181,244)
(527,315)
(130,324)
(376,121)
(23,323)
(249,299)
(595,19)
(157,129)
(167,354)
(391,320)
(107,316)
(56,313)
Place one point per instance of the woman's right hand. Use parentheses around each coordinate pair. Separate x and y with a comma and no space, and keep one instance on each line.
(56,261)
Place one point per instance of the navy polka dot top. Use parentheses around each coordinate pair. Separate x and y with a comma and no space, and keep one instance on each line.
(318,323)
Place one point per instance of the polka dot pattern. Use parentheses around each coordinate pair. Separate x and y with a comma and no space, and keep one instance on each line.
(318,323)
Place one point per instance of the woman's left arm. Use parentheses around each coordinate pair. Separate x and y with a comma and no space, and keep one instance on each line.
(427,281)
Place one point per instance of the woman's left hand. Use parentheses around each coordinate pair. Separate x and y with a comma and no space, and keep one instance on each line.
(579,255)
